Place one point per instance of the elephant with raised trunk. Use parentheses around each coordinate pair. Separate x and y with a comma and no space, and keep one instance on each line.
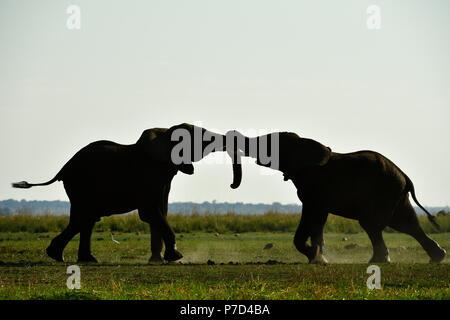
(363,185)
(106,178)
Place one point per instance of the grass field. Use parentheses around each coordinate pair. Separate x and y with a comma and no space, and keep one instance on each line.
(242,268)
(222,223)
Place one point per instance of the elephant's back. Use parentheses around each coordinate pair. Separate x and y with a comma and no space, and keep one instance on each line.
(96,160)
(369,170)
(367,161)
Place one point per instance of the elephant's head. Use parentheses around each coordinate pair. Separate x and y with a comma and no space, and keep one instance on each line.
(183,144)
(283,151)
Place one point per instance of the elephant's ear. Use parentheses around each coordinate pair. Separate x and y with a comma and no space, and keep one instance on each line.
(314,153)
(155,144)
(302,152)
(186,168)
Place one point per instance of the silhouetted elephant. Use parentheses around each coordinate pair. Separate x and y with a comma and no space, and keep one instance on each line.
(106,178)
(362,185)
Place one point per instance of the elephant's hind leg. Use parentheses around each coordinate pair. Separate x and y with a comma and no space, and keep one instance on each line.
(84,249)
(405,220)
(380,251)
(57,245)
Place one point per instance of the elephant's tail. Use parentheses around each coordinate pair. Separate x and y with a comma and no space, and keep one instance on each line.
(26,185)
(413,194)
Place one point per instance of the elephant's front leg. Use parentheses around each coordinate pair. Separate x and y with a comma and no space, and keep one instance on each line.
(311,225)
(301,236)
(160,232)
(317,241)
(166,232)
(168,236)
(156,244)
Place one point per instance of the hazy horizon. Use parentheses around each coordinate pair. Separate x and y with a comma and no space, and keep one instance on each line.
(311,68)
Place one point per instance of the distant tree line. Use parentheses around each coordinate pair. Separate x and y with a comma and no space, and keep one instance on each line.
(9,207)
(34,207)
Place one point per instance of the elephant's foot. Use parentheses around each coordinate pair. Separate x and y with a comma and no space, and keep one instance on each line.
(172,255)
(438,256)
(319,258)
(55,253)
(155,259)
(380,259)
(87,258)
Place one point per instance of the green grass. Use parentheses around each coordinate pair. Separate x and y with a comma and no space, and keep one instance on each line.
(277,273)
(269,222)
(226,282)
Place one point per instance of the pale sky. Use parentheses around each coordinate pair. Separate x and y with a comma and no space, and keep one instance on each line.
(311,67)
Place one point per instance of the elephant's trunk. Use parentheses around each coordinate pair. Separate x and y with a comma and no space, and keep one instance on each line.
(243,143)
(232,149)
(237,175)
(237,166)
(265,148)
(237,146)
(222,143)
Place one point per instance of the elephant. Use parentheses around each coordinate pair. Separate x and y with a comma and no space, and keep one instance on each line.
(106,178)
(363,185)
